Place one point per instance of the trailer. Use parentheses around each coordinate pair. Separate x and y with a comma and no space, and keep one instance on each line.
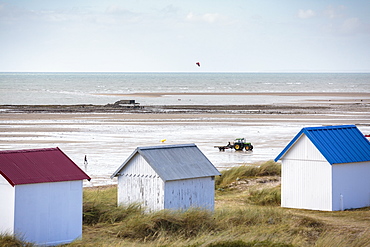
(239,144)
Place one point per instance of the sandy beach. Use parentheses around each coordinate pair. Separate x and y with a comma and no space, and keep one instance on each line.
(298,94)
(109,135)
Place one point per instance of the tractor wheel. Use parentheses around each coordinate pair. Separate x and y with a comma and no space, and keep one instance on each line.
(247,148)
(237,147)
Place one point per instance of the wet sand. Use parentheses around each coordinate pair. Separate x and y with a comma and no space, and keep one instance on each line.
(364,95)
(109,135)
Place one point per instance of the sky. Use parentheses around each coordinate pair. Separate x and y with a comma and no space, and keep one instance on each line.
(172,35)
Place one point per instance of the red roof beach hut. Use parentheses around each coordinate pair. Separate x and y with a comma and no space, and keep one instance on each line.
(41,192)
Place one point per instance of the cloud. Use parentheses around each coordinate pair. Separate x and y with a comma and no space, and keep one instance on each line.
(351,25)
(340,23)
(208,17)
(170,10)
(13,15)
(305,14)
(117,10)
(333,12)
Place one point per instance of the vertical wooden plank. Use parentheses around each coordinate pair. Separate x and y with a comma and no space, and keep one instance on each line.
(138,183)
(306,178)
(7,206)
(196,192)
(351,185)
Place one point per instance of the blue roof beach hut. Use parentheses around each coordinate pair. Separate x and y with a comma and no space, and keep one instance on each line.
(326,168)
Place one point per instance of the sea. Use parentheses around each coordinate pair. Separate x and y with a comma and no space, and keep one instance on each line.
(104,88)
(107,142)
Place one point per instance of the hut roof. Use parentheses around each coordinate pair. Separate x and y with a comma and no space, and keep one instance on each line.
(338,144)
(38,166)
(174,162)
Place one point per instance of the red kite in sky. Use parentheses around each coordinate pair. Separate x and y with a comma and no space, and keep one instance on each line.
(198,63)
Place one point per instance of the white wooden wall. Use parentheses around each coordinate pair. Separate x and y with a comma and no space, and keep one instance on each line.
(351,185)
(306,178)
(7,194)
(49,213)
(196,192)
(139,183)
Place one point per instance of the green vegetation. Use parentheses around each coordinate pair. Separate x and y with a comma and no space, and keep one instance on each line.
(100,206)
(165,223)
(239,243)
(269,168)
(11,241)
(247,214)
(264,197)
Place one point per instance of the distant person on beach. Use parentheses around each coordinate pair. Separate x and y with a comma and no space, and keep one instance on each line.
(85,163)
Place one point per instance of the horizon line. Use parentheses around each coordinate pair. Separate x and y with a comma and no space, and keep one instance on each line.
(195,72)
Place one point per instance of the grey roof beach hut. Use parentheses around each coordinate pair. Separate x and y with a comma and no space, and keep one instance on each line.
(167,177)
(41,196)
(326,168)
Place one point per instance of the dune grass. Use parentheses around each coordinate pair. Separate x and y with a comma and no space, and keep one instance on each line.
(240,243)
(100,205)
(264,197)
(246,225)
(166,223)
(11,241)
(249,217)
(269,168)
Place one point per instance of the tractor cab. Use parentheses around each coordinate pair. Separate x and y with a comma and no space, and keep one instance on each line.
(239,140)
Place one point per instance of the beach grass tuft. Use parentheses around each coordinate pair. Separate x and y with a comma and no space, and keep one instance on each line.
(12,241)
(249,216)
(268,168)
(100,206)
(152,226)
(266,196)
(240,243)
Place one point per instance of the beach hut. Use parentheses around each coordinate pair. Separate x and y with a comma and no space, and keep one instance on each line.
(167,177)
(41,196)
(326,168)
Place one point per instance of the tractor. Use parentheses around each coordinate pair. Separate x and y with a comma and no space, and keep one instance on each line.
(239,144)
